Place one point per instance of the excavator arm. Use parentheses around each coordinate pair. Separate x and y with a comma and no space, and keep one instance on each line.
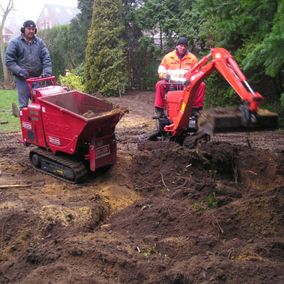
(222,61)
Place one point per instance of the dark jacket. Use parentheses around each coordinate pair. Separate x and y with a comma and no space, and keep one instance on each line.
(32,57)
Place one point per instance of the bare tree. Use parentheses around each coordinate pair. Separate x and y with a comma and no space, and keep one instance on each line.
(4,13)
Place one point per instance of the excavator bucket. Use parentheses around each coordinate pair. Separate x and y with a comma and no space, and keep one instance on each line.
(223,120)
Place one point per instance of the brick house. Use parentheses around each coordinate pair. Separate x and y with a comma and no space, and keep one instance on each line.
(55,15)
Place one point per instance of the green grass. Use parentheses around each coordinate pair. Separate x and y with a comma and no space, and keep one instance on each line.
(8,123)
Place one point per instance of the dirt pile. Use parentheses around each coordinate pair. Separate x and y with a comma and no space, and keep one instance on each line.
(162,214)
(209,215)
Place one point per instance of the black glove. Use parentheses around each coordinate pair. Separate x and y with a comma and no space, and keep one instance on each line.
(23,73)
(168,77)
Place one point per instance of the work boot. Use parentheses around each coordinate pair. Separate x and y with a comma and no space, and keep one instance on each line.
(159,112)
(15,110)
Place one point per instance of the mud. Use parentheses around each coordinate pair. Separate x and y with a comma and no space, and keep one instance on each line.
(161,214)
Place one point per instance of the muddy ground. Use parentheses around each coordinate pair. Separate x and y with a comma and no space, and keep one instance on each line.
(161,214)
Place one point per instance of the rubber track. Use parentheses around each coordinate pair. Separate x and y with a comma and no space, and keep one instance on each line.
(77,167)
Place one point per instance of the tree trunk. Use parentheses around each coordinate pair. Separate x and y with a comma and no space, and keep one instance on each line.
(6,11)
(161,37)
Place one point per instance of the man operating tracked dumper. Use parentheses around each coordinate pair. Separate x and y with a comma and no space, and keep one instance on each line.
(172,71)
(27,56)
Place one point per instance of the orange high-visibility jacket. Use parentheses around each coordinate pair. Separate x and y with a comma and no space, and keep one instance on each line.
(175,67)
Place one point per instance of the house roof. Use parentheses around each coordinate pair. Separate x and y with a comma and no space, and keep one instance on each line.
(61,14)
(7,31)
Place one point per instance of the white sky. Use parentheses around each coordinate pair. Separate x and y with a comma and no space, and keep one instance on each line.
(30,9)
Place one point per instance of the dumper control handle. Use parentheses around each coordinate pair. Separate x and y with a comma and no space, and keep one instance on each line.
(31,82)
(51,79)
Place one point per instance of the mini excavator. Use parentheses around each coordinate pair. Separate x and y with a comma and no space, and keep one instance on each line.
(186,127)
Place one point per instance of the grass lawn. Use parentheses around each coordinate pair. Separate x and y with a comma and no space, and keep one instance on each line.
(8,123)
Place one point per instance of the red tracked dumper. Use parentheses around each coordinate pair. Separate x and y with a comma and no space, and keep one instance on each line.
(74,131)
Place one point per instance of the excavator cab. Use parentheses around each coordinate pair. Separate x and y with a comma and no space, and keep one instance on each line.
(182,122)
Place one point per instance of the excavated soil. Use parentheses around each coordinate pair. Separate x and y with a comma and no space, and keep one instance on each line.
(161,214)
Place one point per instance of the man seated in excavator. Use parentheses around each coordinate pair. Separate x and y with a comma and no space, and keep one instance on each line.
(175,108)
(172,71)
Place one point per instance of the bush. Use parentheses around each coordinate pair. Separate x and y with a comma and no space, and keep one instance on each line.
(72,81)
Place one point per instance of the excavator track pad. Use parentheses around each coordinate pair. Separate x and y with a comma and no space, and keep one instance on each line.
(223,120)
